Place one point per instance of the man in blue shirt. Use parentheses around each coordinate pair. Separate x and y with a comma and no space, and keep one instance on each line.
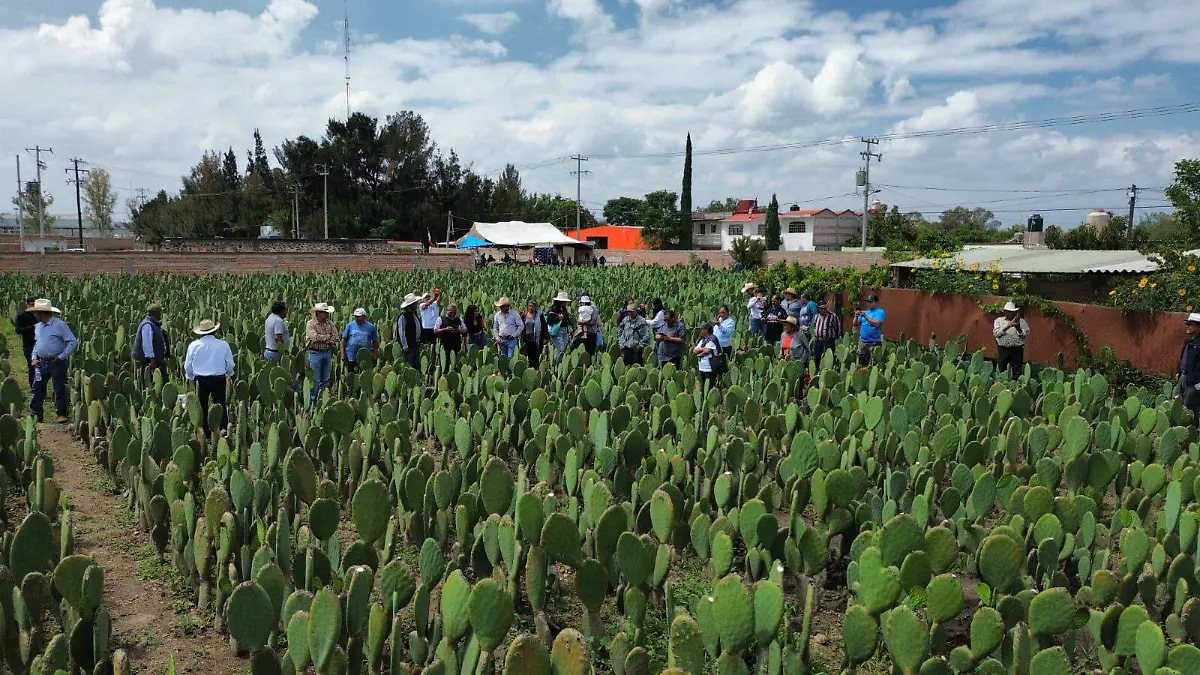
(359,334)
(870,329)
(52,346)
(150,346)
(723,329)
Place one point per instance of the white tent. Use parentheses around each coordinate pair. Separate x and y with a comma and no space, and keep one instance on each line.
(520,234)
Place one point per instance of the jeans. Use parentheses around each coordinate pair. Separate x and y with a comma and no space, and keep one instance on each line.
(477,340)
(1011,359)
(272,355)
(212,388)
(412,356)
(321,364)
(50,372)
(508,347)
(756,326)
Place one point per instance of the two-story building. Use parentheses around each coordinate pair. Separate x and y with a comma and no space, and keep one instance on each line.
(800,229)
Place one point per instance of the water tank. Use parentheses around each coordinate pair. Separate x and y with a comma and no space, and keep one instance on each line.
(1099,219)
(1035,223)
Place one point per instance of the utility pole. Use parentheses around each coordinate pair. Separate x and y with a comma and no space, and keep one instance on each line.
(39,165)
(141,192)
(78,181)
(867,155)
(20,204)
(296,211)
(579,160)
(323,172)
(449,225)
(1133,190)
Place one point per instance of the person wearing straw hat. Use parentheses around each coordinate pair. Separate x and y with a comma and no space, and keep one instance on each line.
(558,322)
(1011,331)
(359,334)
(586,332)
(53,345)
(209,363)
(25,323)
(408,330)
(431,311)
(151,348)
(791,302)
(506,328)
(795,345)
(320,338)
(1189,366)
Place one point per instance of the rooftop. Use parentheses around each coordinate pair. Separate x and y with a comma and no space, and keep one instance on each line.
(1014,259)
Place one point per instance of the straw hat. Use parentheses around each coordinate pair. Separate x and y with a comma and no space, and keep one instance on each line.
(561,297)
(323,307)
(790,291)
(43,305)
(360,312)
(792,320)
(206,327)
(504,302)
(1011,306)
(750,286)
(410,300)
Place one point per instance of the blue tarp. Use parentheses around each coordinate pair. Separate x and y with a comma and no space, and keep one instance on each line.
(471,241)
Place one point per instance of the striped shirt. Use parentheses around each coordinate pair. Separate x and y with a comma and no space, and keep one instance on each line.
(826,326)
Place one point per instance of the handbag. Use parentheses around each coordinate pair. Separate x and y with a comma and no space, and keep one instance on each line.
(718,362)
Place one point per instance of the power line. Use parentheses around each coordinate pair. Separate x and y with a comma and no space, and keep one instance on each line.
(1004,190)
(78,181)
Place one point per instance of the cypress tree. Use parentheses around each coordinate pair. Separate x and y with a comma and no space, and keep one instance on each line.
(685,200)
(773,236)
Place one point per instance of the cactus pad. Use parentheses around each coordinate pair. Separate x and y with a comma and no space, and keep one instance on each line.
(733,612)
(250,616)
(491,613)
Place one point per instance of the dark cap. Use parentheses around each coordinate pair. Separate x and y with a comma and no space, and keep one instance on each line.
(821,304)
(30,300)
(872,298)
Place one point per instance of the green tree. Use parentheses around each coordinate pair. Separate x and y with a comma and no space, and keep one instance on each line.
(622,211)
(685,199)
(99,201)
(1184,193)
(659,218)
(774,239)
(33,198)
(748,251)
(729,205)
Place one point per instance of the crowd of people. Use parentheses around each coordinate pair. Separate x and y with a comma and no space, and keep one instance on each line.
(799,327)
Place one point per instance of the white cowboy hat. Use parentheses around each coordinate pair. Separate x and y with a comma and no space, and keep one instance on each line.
(585,300)
(1194,317)
(503,301)
(323,307)
(409,300)
(206,327)
(561,297)
(44,305)
(1011,306)
(750,286)
(360,312)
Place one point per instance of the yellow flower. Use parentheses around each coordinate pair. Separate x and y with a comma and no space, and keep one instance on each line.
(1113,292)
(1182,292)
(1191,268)
(1153,285)
(1143,282)
(995,286)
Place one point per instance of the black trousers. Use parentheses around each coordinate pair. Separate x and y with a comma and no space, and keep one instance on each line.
(412,356)
(632,355)
(533,352)
(820,346)
(28,351)
(211,388)
(588,341)
(678,361)
(1011,359)
(427,336)
(144,371)
(710,378)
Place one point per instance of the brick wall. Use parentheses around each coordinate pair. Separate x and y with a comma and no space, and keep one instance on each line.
(75,264)
(829,259)
(180,245)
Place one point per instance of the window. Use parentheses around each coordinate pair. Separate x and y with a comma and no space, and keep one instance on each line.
(735,229)
(796,227)
(715,228)
(600,242)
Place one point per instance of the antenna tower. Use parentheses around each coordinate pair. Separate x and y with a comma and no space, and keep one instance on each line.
(346,54)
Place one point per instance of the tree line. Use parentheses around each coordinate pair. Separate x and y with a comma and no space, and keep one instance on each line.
(385,179)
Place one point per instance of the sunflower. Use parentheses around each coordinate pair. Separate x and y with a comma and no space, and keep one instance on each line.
(1191,268)
(1112,292)
(1143,282)
(1182,292)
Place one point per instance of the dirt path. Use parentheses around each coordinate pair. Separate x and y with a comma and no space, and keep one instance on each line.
(151,608)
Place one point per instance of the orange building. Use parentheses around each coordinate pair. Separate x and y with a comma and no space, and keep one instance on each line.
(612,237)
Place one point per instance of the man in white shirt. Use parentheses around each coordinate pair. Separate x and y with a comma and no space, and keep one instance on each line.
(755,305)
(431,311)
(209,363)
(1011,331)
(507,328)
(276,331)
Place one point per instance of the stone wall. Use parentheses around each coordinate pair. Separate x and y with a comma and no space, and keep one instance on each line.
(12,242)
(76,264)
(179,245)
(721,259)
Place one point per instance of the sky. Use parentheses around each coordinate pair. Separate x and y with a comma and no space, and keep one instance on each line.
(144,87)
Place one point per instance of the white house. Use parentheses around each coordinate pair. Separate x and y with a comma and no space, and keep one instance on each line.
(800,229)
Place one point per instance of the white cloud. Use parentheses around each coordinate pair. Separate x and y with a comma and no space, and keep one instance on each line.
(493,23)
(147,88)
